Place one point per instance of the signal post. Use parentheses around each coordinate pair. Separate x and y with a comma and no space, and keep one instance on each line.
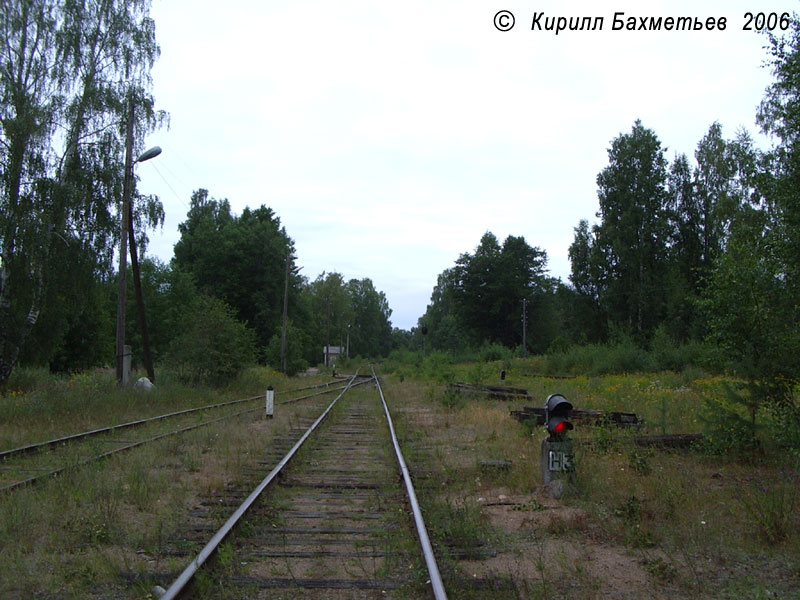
(557,459)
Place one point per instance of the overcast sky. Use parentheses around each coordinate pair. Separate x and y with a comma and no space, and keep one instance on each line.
(389,137)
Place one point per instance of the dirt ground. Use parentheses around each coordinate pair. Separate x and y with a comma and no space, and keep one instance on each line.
(546,547)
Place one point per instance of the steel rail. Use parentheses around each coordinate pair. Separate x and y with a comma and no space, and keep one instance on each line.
(323,392)
(186,576)
(129,446)
(83,463)
(77,436)
(422,532)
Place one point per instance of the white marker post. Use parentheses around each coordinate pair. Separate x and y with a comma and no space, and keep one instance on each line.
(270,402)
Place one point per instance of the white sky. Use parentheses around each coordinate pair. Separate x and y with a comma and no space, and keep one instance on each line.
(389,137)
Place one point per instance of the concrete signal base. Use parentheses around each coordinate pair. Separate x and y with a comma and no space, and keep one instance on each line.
(558,468)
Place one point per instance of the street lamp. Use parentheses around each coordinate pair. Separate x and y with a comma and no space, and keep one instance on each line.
(148,154)
(123,252)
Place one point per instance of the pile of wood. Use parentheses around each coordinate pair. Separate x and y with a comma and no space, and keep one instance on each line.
(582,415)
(498,392)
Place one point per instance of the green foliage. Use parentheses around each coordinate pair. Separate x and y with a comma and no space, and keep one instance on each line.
(238,259)
(479,373)
(495,352)
(772,506)
(639,461)
(70,72)
(214,347)
(631,239)
(438,366)
(480,300)
(370,331)
(169,294)
(596,359)
(783,425)
(449,397)
(731,422)
(295,342)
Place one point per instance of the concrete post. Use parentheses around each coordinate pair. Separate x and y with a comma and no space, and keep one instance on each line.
(558,466)
(126,365)
(270,402)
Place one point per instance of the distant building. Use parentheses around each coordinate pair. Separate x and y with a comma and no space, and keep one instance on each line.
(332,353)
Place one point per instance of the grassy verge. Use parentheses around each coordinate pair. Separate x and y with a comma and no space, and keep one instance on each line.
(644,523)
(109,529)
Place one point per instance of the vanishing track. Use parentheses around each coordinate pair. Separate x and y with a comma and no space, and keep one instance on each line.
(333,523)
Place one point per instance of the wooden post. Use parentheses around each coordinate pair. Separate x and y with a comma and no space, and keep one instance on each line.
(137,283)
(285,315)
(123,245)
(524,328)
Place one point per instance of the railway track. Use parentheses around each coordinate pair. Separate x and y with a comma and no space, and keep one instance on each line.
(38,462)
(335,517)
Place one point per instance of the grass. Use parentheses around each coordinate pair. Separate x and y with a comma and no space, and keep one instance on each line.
(658,524)
(684,524)
(85,533)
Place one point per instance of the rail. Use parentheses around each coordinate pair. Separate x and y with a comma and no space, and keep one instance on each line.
(78,436)
(180,584)
(186,576)
(422,532)
(56,472)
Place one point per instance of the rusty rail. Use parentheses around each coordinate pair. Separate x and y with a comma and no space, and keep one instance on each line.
(422,532)
(85,434)
(129,446)
(188,573)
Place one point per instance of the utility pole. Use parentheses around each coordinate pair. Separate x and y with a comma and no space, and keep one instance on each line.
(285,315)
(126,232)
(123,247)
(328,342)
(137,283)
(524,328)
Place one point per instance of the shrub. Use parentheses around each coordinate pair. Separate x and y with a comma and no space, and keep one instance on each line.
(296,340)
(493,352)
(437,366)
(213,347)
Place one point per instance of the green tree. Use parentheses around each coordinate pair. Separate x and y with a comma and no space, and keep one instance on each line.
(69,70)
(296,344)
(634,230)
(479,300)
(241,260)
(759,274)
(779,115)
(169,294)
(585,310)
(331,311)
(478,290)
(214,347)
(370,329)
(444,331)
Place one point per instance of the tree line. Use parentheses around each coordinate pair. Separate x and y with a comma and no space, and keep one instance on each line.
(74,75)
(69,73)
(704,250)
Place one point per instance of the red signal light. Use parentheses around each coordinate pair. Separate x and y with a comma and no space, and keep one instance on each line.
(560,427)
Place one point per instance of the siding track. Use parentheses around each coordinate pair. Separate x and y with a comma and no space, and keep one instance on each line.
(39,462)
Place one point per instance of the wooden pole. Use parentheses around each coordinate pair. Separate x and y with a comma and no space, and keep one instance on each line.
(524,328)
(285,315)
(137,282)
(123,246)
